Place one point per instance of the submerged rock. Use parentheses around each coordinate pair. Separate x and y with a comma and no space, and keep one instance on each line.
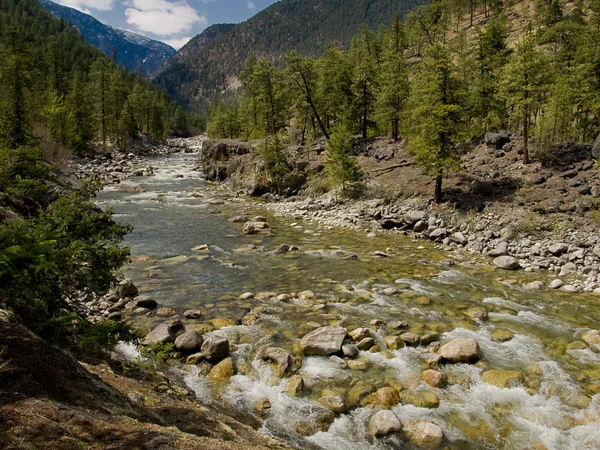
(144,301)
(334,403)
(502,335)
(295,386)
(222,371)
(384,423)
(421,399)
(280,357)
(503,378)
(251,228)
(462,350)
(192,314)
(434,378)
(323,341)
(387,397)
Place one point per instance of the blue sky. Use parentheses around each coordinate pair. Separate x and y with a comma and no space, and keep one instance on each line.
(170,21)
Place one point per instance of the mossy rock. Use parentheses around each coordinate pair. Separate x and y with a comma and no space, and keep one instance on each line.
(577,345)
(222,371)
(421,399)
(503,378)
(502,334)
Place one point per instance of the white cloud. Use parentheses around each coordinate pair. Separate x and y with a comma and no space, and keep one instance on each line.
(87,5)
(163,17)
(177,43)
(250,5)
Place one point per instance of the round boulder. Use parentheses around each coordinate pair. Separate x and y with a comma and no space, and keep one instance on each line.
(323,341)
(383,423)
(462,350)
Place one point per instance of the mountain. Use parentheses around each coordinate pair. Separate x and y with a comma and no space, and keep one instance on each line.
(211,61)
(131,49)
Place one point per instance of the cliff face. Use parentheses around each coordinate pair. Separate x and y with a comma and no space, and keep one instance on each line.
(48,400)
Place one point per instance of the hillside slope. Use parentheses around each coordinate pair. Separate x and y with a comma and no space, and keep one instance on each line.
(212,60)
(132,50)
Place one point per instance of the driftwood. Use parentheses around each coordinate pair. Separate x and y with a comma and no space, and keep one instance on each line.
(390,168)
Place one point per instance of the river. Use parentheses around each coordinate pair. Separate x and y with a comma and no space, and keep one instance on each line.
(553,404)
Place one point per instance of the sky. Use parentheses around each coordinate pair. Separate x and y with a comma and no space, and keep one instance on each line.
(172,21)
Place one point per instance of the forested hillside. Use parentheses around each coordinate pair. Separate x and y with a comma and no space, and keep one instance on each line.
(59,95)
(130,50)
(445,77)
(198,71)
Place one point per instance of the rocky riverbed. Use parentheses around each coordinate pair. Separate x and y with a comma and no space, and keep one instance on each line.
(326,331)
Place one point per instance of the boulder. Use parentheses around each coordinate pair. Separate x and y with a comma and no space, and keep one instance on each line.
(162,334)
(255,228)
(420,399)
(558,249)
(262,405)
(500,250)
(387,397)
(434,378)
(366,343)
(295,386)
(462,350)
(497,140)
(125,288)
(592,337)
(410,338)
(334,403)
(438,233)
(477,313)
(222,371)
(189,342)
(459,238)
(596,148)
(423,433)
(323,341)
(144,301)
(239,219)
(556,284)
(349,351)
(129,187)
(507,263)
(384,423)
(413,217)
(280,357)
(192,314)
(394,342)
(502,335)
(359,334)
(390,224)
(215,348)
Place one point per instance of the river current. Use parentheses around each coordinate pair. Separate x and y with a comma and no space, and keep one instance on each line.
(554,405)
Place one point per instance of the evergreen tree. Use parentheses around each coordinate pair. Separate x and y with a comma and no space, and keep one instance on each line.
(364,79)
(523,84)
(342,167)
(435,116)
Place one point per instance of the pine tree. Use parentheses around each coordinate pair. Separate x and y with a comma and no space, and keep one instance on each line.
(79,124)
(524,80)
(334,86)
(342,167)
(364,79)
(436,116)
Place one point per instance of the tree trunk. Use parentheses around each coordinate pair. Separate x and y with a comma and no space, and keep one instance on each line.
(437,196)
(526,135)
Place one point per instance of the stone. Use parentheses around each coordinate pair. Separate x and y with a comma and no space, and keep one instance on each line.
(192,314)
(295,386)
(462,350)
(502,335)
(459,238)
(507,263)
(503,378)
(394,342)
(411,339)
(558,249)
(334,403)
(215,347)
(500,250)
(592,337)
(251,228)
(366,343)
(323,341)
(384,423)
(126,288)
(306,295)
(477,313)
(556,284)
(262,405)
(189,342)
(596,148)
(246,296)
(129,187)
(534,285)
(222,371)
(567,269)
(497,140)
(434,378)
(428,338)
(239,219)
(166,312)
(162,334)
(420,399)
(359,334)
(349,351)
(423,433)
(358,364)
(144,301)
(386,397)
(438,233)
(390,224)
(176,325)
(420,226)
(280,357)
(413,217)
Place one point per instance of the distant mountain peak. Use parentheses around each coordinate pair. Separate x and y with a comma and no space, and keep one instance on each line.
(132,50)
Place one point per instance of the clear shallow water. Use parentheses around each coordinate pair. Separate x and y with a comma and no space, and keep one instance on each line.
(555,407)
